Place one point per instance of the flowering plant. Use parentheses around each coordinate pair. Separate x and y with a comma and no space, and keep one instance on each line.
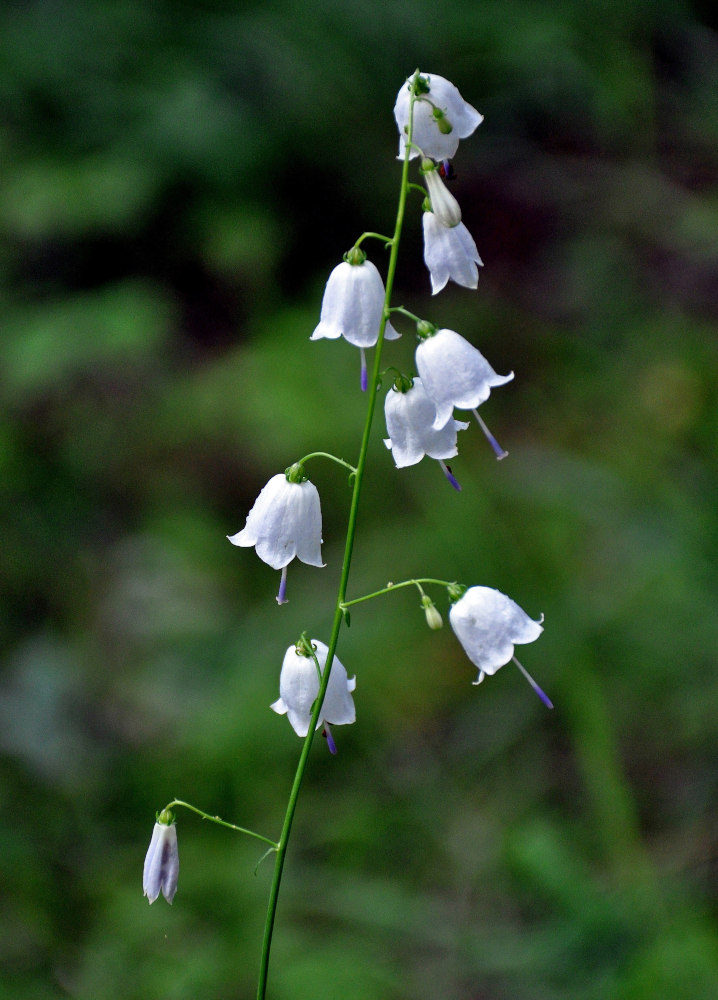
(285,520)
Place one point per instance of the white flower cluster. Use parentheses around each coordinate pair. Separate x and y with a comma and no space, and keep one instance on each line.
(285,521)
(441,118)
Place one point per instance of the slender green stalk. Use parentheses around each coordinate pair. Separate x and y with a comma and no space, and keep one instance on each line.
(374,236)
(326,454)
(343,580)
(220,822)
(397,586)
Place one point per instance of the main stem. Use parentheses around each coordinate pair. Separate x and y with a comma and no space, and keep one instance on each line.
(343,582)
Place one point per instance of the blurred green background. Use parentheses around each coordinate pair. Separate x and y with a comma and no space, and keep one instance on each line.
(176,182)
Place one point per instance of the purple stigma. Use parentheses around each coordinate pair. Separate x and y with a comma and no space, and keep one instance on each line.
(542,695)
(364,376)
(498,450)
(281,596)
(450,476)
(327,734)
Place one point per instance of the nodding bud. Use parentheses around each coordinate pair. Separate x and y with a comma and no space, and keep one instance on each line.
(162,861)
(433,618)
(443,204)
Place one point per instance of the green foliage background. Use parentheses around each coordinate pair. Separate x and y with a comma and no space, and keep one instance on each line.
(176,182)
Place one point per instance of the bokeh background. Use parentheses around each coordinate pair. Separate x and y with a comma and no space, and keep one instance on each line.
(176,182)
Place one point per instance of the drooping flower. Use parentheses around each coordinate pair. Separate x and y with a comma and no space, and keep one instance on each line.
(162,861)
(285,521)
(353,306)
(410,416)
(299,687)
(449,253)
(441,117)
(455,374)
(488,624)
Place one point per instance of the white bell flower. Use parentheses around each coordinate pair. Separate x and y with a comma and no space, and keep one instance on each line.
(488,624)
(299,687)
(285,521)
(441,117)
(162,861)
(455,373)
(353,306)
(449,253)
(410,418)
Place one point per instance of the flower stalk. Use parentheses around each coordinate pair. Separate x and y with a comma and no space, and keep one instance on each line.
(373,383)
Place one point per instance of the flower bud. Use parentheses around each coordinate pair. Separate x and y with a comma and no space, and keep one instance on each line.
(443,204)
(442,122)
(162,861)
(433,618)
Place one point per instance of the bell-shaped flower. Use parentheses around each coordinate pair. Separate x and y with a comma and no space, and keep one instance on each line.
(299,687)
(488,624)
(455,373)
(441,117)
(162,861)
(443,204)
(449,253)
(353,306)
(410,416)
(285,521)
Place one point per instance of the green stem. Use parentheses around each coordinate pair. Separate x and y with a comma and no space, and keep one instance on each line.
(220,822)
(375,236)
(397,586)
(405,312)
(326,454)
(343,580)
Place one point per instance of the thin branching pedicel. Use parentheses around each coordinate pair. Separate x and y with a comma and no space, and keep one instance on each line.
(285,520)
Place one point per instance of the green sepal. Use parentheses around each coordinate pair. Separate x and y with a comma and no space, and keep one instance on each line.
(295,473)
(425,329)
(455,591)
(355,256)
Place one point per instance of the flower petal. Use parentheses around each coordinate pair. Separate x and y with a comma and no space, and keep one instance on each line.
(454,374)
(285,521)
(353,306)
(161,867)
(299,687)
(488,624)
(442,94)
(449,253)
(409,422)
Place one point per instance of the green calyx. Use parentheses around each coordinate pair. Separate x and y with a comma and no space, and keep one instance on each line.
(402,383)
(455,591)
(425,329)
(303,646)
(421,85)
(295,473)
(355,256)
(166,817)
